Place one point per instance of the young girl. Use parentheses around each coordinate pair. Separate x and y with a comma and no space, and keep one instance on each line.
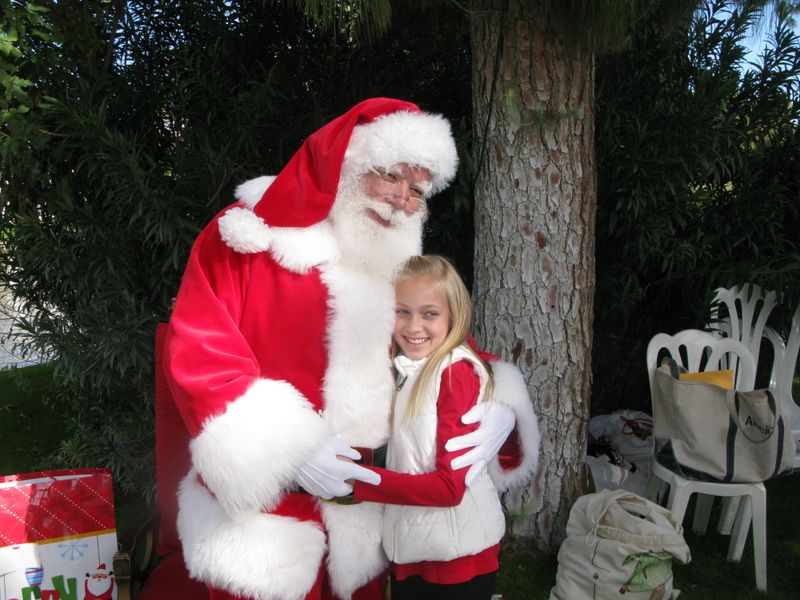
(442,538)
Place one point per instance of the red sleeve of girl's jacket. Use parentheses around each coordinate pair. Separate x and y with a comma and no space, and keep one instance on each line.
(458,393)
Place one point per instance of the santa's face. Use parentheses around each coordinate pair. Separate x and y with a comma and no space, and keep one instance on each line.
(99,584)
(398,189)
(378,217)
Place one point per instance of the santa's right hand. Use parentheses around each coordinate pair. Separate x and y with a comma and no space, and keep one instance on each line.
(326,475)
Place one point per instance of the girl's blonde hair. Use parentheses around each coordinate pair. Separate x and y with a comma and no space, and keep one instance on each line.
(459,305)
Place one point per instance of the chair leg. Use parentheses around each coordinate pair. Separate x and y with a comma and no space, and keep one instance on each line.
(653,490)
(741,527)
(702,510)
(678,500)
(122,575)
(759,506)
(730,507)
(752,508)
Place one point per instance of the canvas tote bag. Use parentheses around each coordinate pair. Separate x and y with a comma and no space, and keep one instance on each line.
(618,545)
(706,432)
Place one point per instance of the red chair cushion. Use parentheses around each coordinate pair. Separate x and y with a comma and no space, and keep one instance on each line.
(172,452)
(170,581)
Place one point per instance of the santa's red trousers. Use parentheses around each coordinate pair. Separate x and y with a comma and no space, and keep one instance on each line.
(374,590)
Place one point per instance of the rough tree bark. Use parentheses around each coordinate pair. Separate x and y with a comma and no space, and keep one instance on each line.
(534,250)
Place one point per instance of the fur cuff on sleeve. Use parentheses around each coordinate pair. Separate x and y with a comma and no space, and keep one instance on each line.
(248,455)
(510,389)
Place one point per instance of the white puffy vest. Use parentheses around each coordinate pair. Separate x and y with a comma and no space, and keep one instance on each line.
(422,533)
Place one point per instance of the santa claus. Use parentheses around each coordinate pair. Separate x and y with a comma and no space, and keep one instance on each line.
(278,359)
(99,584)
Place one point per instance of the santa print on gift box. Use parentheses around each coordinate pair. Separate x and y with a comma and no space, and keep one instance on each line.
(99,584)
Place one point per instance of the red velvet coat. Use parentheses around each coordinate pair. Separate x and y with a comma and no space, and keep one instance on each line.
(274,345)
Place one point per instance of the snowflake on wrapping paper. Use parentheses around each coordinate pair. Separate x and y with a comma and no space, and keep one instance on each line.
(72,548)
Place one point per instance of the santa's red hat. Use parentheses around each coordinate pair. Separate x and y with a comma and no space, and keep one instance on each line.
(378,132)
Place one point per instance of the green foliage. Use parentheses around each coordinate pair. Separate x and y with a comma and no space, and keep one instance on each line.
(142,118)
(697,183)
(21,26)
(352,18)
(608,24)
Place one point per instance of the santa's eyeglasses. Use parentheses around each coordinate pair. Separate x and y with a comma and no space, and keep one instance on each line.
(396,187)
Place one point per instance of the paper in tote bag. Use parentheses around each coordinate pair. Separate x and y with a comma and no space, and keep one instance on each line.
(708,433)
(57,536)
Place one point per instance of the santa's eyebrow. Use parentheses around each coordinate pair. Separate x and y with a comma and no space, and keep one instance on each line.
(423,186)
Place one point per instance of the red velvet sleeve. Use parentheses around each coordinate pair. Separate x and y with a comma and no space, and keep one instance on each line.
(208,363)
(458,393)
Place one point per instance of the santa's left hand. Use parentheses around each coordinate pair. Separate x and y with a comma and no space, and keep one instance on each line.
(496,423)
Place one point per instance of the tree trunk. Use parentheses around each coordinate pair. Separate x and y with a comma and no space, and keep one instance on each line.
(535,204)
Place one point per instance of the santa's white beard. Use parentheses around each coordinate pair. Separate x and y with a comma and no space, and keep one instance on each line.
(364,243)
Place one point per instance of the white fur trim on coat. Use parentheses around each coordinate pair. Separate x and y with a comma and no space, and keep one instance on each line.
(510,389)
(254,555)
(354,536)
(248,455)
(418,139)
(358,382)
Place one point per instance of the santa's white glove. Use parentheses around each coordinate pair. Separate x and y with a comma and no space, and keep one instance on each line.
(325,475)
(496,422)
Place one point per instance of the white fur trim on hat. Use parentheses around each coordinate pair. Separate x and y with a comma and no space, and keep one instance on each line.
(248,456)
(250,192)
(510,389)
(295,248)
(417,139)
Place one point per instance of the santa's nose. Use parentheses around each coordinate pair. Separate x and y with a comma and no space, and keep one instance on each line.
(407,200)
(399,195)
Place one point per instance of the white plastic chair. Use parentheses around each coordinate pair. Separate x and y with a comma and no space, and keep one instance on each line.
(748,308)
(782,376)
(740,313)
(697,351)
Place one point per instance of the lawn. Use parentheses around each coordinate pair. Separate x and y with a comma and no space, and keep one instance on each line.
(30,430)
(527,575)
(30,424)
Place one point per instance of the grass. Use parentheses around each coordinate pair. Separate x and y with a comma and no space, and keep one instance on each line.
(30,425)
(30,431)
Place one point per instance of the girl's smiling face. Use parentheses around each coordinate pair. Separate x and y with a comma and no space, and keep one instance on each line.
(422,317)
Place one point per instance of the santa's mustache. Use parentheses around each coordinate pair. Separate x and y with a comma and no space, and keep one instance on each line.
(394,215)
(389,214)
